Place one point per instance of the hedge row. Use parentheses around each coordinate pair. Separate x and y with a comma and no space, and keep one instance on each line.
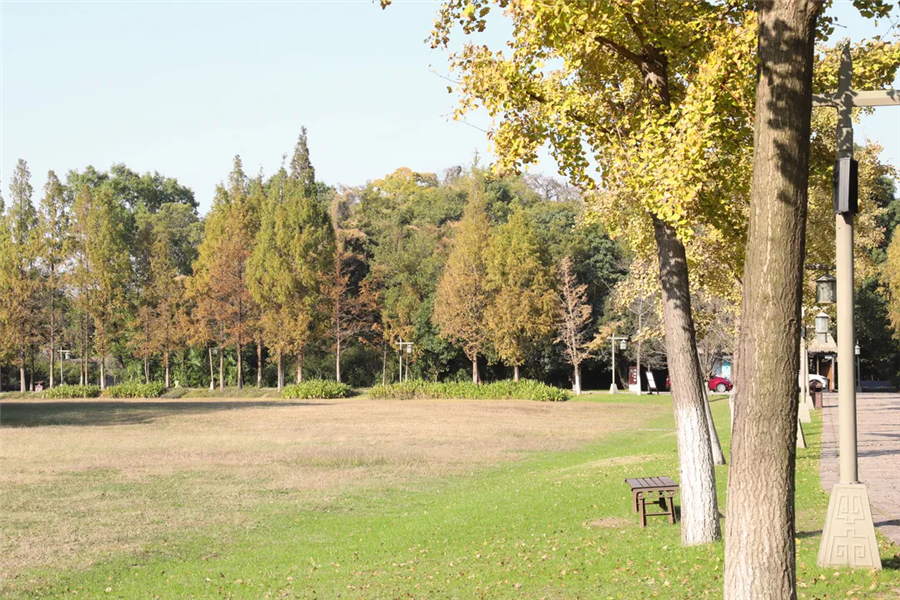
(316,388)
(72,391)
(134,389)
(524,389)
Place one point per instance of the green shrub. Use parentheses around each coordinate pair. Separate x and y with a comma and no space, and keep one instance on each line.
(316,388)
(525,389)
(133,389)
(72,391)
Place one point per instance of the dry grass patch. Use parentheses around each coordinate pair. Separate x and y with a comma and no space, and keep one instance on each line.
(82,479)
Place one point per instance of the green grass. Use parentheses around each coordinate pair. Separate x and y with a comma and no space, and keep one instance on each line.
(554,525)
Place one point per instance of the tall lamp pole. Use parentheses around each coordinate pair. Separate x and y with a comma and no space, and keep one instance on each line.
(848,537)
(622,341)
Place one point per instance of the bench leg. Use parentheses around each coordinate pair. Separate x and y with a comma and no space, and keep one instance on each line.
(636,494)
(643,511)
(671,509)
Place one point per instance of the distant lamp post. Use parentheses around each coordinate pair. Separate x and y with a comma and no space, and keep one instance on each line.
(858,378)
(623,345)
(826,289)
(823,323)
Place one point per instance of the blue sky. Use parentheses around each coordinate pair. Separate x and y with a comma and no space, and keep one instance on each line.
(181,87)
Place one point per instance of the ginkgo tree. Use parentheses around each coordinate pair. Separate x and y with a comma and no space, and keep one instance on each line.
(639,92)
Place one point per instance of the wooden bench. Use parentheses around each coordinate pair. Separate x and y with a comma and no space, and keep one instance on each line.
(653,489)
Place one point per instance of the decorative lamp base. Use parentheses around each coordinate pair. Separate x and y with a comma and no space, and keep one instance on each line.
(803,414)
(849,536)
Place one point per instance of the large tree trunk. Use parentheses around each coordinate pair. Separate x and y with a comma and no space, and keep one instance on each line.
(515,372)
(700,508)
(577,380)
(760,554)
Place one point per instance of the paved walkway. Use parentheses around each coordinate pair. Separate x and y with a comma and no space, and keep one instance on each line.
(878,428)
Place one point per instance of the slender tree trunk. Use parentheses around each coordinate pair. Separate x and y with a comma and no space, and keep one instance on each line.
(240,367)
(212,373)
(760,553)
(259,365)
(31,375)
(714,445)
(337,361)
(384,366)
(52,344)
(280,372)
(166,360)
(475,377)
(22,386)
(103,370)
(577,380)
(515,372)
(222,368)
(146,369)
(300,367)
(700,508)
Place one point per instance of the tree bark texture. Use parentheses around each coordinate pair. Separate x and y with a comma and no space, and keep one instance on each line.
(700,508)
(166,361)
(475,377)
(300,368)
(760,554)
(515,372)
(337,361)
(221,368)
(577,379)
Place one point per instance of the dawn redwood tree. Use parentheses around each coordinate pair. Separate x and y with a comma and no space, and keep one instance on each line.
(573,320)
(519,280)
(462,299)
(53,229)
(19,283)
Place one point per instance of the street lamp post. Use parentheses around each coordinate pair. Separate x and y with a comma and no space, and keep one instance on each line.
(408,346)
(858,375)
(848,537)
(623,344)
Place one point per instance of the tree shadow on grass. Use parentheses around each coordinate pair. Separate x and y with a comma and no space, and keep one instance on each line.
(100,413)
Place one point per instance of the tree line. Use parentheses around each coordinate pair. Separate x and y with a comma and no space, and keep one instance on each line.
(114,275)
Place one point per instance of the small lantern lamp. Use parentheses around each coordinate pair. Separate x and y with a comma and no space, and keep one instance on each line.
(856,349)
(623,345)
(822,322)
(825,289)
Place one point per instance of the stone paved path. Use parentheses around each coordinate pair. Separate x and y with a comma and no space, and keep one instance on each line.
(878,428)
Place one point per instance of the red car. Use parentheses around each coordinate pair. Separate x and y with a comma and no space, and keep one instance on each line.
(716,384)
(720,384)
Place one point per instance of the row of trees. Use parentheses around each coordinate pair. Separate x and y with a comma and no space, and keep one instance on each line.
(118,269)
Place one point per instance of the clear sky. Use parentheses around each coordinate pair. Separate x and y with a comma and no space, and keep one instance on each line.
(181,87)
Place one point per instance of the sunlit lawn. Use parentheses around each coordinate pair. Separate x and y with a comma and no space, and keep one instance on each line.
(365,499)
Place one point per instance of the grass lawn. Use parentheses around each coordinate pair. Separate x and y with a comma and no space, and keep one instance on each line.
(364,499)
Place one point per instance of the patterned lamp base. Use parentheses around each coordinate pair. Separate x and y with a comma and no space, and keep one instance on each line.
(849,536)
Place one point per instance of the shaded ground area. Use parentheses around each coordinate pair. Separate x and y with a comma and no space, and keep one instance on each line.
(84,479)
(878,430)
